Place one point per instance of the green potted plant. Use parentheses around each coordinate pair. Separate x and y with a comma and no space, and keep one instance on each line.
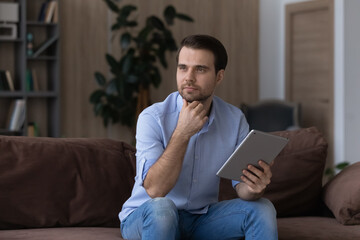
(330,172)
(122,97)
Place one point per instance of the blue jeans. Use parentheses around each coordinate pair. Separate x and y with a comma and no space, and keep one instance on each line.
(233,219)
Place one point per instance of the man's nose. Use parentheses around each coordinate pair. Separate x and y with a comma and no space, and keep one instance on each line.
(190,76)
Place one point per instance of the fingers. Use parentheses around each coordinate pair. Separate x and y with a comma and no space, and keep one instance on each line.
(256,178)
(197,107)
(192,118)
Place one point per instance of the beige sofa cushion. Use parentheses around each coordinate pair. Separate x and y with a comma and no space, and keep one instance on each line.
(48,182)
(342,195)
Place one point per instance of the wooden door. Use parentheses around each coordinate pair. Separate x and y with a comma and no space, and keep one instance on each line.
(309,64)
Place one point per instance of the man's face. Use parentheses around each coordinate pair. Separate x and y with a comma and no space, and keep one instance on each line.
(195,76)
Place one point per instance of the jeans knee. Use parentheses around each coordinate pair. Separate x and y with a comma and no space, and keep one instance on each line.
(265,212)
(267,207)
(161,203)
(163,210)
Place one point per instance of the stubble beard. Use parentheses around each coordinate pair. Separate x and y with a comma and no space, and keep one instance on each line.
(194,97)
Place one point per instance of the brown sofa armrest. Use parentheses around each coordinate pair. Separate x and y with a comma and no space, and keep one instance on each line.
(342,195)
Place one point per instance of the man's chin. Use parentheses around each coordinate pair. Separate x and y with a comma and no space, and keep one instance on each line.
(189,99)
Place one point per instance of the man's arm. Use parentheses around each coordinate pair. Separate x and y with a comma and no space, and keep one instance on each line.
(254,182)
(162,176)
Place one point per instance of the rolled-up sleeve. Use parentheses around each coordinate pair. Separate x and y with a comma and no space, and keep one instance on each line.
(149,144)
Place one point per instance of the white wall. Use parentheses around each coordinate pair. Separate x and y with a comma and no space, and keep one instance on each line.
(270,79)
(272,48)
(339,83)
(352,80)
(346,62)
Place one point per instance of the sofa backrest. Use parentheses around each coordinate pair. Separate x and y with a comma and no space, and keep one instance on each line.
(296,184)
(48,182)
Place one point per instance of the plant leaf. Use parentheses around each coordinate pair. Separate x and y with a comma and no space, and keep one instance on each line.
(342,165)
(100,79)
(131,24)
(115,26)
(156,23)
(143,34)
(96,96)
(114,65)
(126,10)
(111,87)
(329,172)
(156,77)
(133,79)
(98,109)
(161,55)
(125,40)
(127,63)
(169,14)
(184,17)
(113,7)
(170,41)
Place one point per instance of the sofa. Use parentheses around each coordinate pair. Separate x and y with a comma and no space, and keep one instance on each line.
(73,188)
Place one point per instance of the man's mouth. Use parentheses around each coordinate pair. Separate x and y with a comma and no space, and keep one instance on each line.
(189,88)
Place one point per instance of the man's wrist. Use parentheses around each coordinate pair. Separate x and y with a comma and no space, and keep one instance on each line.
(181,135)
(244,192)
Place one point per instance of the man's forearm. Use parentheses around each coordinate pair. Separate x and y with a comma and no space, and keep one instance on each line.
(162,176)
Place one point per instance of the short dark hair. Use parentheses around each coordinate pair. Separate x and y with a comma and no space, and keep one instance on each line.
(208,43)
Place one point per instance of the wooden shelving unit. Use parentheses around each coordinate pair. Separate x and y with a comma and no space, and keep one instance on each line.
(42,104)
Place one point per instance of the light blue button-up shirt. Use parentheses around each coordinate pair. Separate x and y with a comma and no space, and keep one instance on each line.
(197,186)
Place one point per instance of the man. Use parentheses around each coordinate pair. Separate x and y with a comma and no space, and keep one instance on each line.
(181,144)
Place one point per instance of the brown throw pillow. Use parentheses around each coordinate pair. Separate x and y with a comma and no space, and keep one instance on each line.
(295,188)
(49,182)
(342,195)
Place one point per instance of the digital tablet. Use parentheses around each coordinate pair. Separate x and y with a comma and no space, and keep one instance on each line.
(256,146)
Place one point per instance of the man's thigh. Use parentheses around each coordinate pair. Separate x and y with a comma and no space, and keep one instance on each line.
(228,220)
(222,221)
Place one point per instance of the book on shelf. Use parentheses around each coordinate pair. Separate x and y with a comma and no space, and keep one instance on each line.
(6,82)
(32,83)
(32,130)
(29,81)
(9,80)
(41,16)
(35,80)
(43,46)
(55,18)
(3,81)
(17,114)
(49,12)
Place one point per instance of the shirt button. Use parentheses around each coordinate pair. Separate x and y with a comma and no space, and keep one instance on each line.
(196,157)
(194,181)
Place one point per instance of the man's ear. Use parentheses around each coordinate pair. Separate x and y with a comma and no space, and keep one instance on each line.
(220,76)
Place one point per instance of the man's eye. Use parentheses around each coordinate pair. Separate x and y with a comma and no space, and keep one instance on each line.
(201,69)
(182,67)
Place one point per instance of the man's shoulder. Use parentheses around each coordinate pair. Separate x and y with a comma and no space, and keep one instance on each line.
(169,105)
